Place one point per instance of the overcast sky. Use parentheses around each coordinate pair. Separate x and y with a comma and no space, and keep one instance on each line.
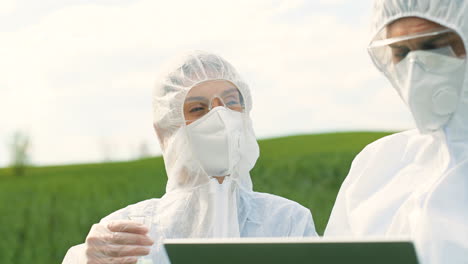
(77,75)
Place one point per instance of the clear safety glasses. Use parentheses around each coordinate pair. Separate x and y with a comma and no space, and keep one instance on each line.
(208,95)
(387,52)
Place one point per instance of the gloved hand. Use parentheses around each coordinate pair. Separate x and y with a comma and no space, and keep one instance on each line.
(120,242)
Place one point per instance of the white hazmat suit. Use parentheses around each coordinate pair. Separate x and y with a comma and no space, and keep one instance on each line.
(415,183)
(195,204)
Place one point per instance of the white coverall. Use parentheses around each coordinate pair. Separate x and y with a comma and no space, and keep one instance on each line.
(412,184)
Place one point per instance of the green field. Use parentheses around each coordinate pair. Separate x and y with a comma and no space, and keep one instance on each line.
(52,208)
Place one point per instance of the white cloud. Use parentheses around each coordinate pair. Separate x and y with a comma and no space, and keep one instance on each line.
(82,75)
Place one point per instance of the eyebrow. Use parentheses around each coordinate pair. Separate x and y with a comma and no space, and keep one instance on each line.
(196,98)
(201,98)
(230,91)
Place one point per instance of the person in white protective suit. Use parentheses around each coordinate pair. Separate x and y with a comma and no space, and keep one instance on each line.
(201,110)
(415,183)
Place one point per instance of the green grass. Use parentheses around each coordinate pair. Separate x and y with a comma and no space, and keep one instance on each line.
(49,209)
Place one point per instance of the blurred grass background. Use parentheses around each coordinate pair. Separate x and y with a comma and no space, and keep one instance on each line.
(52,208)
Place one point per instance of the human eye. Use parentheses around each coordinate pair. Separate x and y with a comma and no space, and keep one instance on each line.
(439,42)
(232,100)
(197,108)
(399,53)
(434,44)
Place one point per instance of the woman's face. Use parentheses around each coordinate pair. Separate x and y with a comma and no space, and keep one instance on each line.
(207,95)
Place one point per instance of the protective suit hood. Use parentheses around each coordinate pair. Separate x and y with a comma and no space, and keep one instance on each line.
(448,13)
(196,205)
(172,86)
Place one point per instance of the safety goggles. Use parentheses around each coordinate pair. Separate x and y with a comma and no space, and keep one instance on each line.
(387,52)
(202,98)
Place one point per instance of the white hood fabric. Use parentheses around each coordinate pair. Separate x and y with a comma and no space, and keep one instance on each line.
(196,205)
(411,184)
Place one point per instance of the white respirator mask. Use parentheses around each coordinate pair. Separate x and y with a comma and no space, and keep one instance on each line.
(215,140)
(430,83)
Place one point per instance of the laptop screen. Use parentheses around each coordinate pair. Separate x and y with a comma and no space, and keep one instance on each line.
(287,250)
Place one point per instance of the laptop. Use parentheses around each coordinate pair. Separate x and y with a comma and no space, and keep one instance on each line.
(290,250)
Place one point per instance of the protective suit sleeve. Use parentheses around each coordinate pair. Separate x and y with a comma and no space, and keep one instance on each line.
(372,168)
(305,225)
(338,223)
